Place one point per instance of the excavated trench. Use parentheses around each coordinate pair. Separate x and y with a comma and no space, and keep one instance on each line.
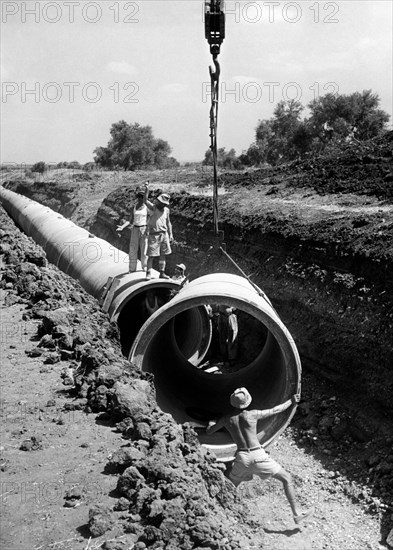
(330,286)
(168,329)
(341,325)
(336,303)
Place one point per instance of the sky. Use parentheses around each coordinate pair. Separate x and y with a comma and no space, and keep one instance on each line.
(70,69)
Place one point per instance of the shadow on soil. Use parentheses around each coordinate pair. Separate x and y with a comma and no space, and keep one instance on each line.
(357,461)
(285,532)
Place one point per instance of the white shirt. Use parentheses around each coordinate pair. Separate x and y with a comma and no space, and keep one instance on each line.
(140,216)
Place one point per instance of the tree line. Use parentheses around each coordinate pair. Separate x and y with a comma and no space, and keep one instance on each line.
(130,147)
(334,119)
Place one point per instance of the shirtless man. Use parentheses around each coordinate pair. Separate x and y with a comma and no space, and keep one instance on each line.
(251,458)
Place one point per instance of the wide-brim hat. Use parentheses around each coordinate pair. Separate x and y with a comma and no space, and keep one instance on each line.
(164,199)
(240,398)
(181,266)
(139,193)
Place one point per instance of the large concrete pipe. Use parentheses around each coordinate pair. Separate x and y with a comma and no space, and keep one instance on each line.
(94,262)
(173,342)
(71,248)
(269,364)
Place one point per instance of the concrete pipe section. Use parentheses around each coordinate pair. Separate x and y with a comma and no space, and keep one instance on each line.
(100,268)
(73,249)
(175,332)
(267,361)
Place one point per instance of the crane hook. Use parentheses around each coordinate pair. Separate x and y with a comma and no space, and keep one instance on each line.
(214,25)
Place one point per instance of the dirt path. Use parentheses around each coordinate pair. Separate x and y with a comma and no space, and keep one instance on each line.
(337,523)
(72,449)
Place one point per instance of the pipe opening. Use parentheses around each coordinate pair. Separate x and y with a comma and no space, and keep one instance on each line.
(237,340)
(200,391)
(260,360)
(136,312)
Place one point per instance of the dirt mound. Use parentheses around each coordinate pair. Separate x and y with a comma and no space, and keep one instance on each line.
(172,494)
(362,168)
(60,198)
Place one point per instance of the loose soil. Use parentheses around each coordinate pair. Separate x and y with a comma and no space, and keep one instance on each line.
(317,237)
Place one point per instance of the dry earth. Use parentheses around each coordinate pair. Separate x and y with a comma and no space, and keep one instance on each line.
(317,237)
(73,448)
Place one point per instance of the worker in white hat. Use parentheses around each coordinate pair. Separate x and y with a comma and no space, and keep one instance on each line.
(251,458)
(180,273)
(159,232)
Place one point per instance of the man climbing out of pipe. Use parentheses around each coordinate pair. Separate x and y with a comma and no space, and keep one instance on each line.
(159,232)
(250,457)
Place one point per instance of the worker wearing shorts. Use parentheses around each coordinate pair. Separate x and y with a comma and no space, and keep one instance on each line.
(250,462)
(159,232)
(158,242)
(251,459)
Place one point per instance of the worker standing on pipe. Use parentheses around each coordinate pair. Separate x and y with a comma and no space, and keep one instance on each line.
(251,458)
(138,238)
(159,232)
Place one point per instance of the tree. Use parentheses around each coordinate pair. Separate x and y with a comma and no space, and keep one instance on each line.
(280,138)
(263,149)
(171,162)
(340,116)
(369,120)
(161,153)
(286,117)
(225,159)
(230,160)
(302,138)
(39,167)
(254,156)
(103,157)
(334,117)
(132,147)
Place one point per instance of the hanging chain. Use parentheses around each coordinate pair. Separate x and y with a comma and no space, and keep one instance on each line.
(215,34)
(215,80)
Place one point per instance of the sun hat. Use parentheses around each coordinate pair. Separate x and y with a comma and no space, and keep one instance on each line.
(240,398)
(181,266)
(164,198)
(139,193)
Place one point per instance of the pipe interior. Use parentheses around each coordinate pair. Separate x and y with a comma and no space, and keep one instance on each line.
(136,311)
(201,392)
(192,334)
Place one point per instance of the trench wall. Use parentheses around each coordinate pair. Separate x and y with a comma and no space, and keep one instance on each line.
(336,302)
